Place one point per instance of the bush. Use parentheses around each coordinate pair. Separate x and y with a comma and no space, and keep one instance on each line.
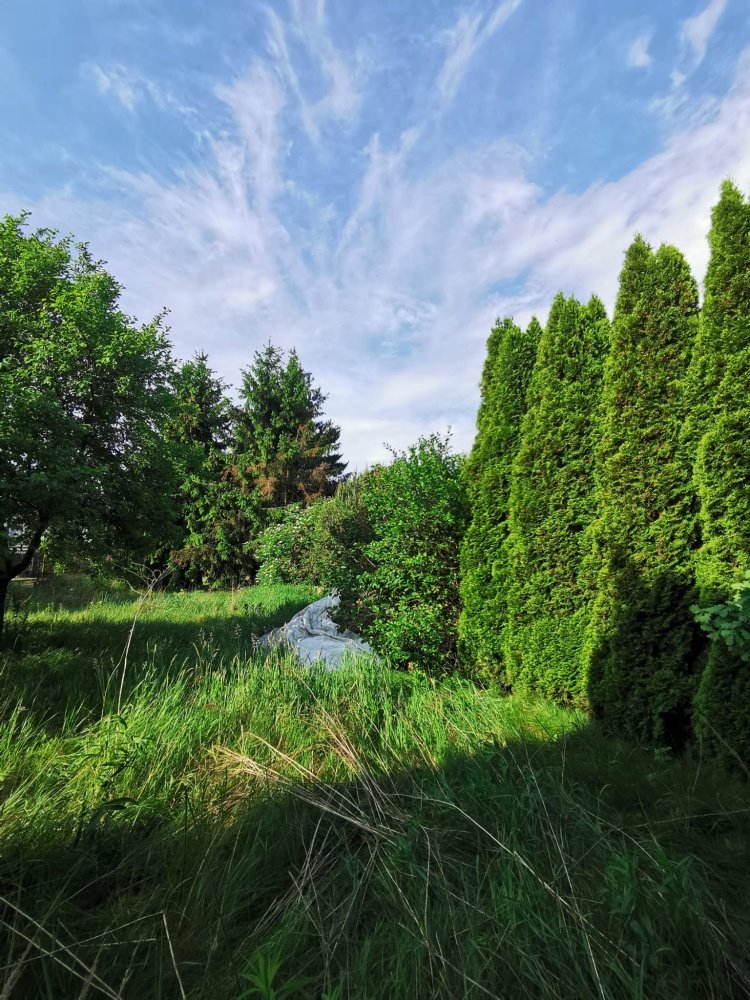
(406,591)
(322,544)
(286,549)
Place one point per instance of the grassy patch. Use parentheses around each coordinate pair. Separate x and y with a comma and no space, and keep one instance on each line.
(243,824)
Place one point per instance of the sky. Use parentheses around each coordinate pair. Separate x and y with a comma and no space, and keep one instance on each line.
(372,182)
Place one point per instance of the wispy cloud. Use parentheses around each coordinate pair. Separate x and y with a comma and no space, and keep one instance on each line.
(470,33)
(638,55)
(116,82)
(129,87)
(696,33)
(308,28)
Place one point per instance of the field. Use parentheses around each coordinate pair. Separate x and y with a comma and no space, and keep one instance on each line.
(182,817)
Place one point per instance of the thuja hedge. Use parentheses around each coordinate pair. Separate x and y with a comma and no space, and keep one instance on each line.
(605,521)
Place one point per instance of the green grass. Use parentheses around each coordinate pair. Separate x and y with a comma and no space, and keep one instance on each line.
(246,827)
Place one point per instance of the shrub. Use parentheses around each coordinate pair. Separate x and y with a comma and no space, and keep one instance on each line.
(406,591)
(286,549)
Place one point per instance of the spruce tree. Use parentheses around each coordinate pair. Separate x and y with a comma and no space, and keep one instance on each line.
(552,504)
(282,442)
(505,378)
(640,648)
(719,432)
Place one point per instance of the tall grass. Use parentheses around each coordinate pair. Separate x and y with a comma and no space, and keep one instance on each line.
(245,826)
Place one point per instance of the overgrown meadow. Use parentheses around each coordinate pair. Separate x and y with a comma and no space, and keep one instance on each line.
(182,817)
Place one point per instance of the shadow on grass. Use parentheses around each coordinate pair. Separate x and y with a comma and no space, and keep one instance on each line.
(568,868)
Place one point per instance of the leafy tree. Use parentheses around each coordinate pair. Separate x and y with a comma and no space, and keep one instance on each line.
(719,386)
(641,642)
(505,378)
(84,395)
(288,449)
(553,502)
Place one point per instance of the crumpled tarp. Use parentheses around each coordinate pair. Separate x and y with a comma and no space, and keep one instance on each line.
(314,636)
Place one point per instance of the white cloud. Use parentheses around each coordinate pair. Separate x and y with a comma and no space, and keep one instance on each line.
(638,55)
(129,87)
(117,83)
(307,26)
(470,33)
(696,32)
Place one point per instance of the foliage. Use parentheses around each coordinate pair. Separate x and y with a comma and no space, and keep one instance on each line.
(379,833)
(642,640)
(507,370)
(323,544)
(287,549)
(408,600)
(84,396)
(553,503)
(722,702)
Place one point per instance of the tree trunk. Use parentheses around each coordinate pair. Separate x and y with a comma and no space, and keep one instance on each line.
(4,581)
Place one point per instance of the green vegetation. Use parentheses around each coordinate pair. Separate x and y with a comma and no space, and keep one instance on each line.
(367,833)
(484,574)
(552,504)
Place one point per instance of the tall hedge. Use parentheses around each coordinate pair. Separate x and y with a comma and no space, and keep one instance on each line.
(642,639)
(720,432)
(552,504)
(510,359)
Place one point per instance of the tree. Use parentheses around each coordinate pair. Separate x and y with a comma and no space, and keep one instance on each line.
(202,414)
(285,445)
(200,429)
(553,503)
(717,433)
(507,370)
(641,644)
(84,394)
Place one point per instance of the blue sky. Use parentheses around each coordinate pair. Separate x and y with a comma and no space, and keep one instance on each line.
(371,181)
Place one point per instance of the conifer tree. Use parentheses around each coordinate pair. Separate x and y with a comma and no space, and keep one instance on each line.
(640,648)
(291,453)
(552,504)
(505,378)
(719,432)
